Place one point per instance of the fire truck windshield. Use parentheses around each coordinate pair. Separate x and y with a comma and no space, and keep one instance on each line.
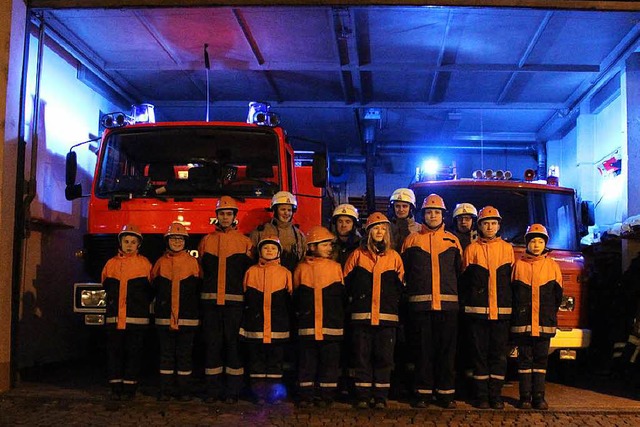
(519,208)
(189,161)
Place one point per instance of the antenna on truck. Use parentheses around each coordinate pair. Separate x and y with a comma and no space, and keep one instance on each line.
(207,66)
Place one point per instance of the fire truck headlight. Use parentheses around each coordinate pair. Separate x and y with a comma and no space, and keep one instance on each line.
(93,298)
(568,304)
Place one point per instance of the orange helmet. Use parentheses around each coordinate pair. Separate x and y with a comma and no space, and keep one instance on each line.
(489,212)
(536,230)
(131,230)
(433,201)
(375,218)
(176,229)
(319,234)
(226,202)
(270,239)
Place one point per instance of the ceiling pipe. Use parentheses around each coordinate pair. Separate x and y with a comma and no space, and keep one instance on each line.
(524,149)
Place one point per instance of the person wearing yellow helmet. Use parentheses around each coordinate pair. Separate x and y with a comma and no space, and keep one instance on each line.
(319,305)
(433,261)
(344,222)
(464,217)
(126,279)
(176,282)
(402,205)
(266,321)
(374,277)
(283,205)
(225,256)
(537,295)
(485,289)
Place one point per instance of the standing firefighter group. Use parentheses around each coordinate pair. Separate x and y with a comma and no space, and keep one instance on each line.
(336,300)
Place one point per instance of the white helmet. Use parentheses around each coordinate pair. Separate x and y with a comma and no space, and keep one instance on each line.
(345,209)
(465,209)
(403,195)
(282,198)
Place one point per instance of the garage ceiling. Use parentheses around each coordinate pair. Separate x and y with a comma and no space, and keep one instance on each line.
(437,76)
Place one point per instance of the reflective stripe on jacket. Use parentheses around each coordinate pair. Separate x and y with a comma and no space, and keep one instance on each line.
(432,262)
(537,294)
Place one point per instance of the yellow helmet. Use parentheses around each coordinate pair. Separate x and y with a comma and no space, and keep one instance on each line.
(282,198)
(227,202)
(433,201)
(319,234)
(536,230)
(176,229)
(403,195)
(376,218)
(465,209)
(489,212)
(345,209)
(130,229)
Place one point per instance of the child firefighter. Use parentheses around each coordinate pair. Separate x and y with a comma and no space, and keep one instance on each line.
(265,323)
(319,296)
(175,278)
(537,294)
(126,280)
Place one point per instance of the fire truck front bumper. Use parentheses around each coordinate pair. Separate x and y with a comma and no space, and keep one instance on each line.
(569,340)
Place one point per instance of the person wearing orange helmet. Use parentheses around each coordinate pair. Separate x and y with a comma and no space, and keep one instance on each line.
(284,206)
(485,289)
(402,205)
(537,294)
(126,281)
(266,321)
(344,222)
(319,305)
(374,277)
(432,260)
(225,256)
(176,281)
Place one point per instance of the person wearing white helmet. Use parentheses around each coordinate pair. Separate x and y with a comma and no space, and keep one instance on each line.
(225,256)
(464,216)
(344,222)
(433,261)
(402,205)
(537,295)
(176,282)
(126,279)
(485,290)
(294,246)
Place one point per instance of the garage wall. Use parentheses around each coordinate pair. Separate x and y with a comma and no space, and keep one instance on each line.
(69,113)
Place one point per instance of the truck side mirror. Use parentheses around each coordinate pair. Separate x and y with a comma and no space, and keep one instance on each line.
(319,170)
(587,213)
(72,190)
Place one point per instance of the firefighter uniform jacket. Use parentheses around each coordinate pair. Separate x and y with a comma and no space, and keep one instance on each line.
(225,256)
(342,250)
(319,295)
(293,241)
(466,239)
(431,282)
(401,229)
(176,280)
(374,285)
(126,280)
(268,287)
(537,294)
(486,281)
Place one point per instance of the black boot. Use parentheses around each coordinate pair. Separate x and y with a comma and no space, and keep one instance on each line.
(115,391)
(164,395)
(184,388)
(129,391)
(525,391)
(213,388)
(538,401)
(495,394)
(482,394)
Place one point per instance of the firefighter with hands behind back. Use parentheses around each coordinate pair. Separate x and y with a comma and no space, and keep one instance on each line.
(537,295)
(374,282)
(432,261)
(126,280)
(485,289)
(176,282)
(283,205)
(266,321)
(402,204)
(319,304)
(344,222)
(225,256)
(464,217)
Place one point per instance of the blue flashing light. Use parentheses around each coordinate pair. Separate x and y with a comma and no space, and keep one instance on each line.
(430,166)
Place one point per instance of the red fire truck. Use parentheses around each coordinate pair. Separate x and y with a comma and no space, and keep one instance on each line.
(151,174)
(522,203)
